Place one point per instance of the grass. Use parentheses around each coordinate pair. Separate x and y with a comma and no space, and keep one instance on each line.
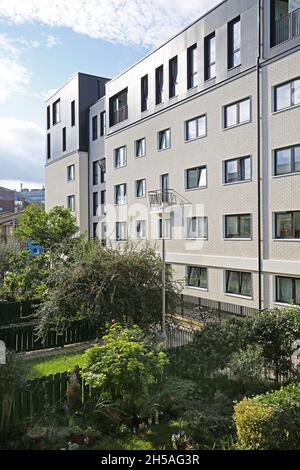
(54,364)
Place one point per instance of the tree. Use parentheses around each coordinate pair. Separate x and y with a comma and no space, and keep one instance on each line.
(123,369)
(100,283)
(5,253)
(46,229)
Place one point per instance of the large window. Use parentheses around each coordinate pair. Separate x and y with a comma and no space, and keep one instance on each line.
(197,227)
(140,148)
(234,43)
(140,229)
(120,194)
(118,108)
(173,77)
(56,112)
(237,169)
(48,146)
(287,225)
(102,164)
(71,203)
(140,188)
(195,128)
(164,139)
(73,113)
(288,290)
(237,113)
(95,203)
(192,67)
(287,160)
(239,283)
(64,139)
(121,231)
(196,177)
(95,128)
(144,93)
(210,57)
(238,226)
(159,84)
(71,172)
(120,157)
(102,124)
(48,118)
(287,95)
(197,277)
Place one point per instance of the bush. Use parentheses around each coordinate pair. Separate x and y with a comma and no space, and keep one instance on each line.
(270,421)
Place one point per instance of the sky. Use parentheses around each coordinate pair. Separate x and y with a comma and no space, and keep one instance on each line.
(45,42)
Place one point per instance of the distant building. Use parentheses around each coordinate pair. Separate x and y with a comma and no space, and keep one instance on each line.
(11,201)
(33,195)
(8,222)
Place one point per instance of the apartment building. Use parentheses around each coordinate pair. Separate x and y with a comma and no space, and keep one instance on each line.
(210,119)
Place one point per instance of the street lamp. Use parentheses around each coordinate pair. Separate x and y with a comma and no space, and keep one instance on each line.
(160,200)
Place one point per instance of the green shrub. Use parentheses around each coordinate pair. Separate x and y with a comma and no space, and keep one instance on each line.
(270,421)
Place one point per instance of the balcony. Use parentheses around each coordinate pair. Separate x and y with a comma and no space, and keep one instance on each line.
(119,115)
(287,27)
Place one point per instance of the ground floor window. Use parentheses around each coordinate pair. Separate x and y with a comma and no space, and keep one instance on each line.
(239,283)
(197,277)
(288,290)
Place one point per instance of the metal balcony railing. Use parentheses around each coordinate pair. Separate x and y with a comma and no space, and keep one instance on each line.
(287,27)
(119,115)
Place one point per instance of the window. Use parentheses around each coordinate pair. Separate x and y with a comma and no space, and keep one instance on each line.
(288,290)
(195,128)
(237,113)
(239,283)
(73,113)
(71,172)
(144,93)
(287,160)
(197,227)
(140,188)
(95,203)
(71,203)
(197,277)
(121,231)
(210,57)
(237,169)
(64,139)
(287,225)
(173,77)
(238,226)
(95,127)
(120,157)
(103,233)
(103,202)
(192,67)
(48,117)
(164,184)
(234,43)
(102,124)
(95,230)
(102,164)
(164,139)
(159,84)
(118,108)
(196,177)
(287,95)
(140,229)
(120,194)
(56,112)
(164,230)
(140,148)
(95,173)
(48,146)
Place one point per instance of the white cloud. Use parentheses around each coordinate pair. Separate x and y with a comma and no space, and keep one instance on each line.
(52,41)
(14,77)
(21,150)
(126,22)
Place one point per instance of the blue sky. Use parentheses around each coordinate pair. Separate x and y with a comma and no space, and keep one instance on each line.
(43,43)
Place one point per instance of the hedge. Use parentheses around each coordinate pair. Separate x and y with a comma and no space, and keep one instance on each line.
(270,421)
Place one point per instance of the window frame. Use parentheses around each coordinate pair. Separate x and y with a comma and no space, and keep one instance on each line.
(64,139)
(231,46)
(159,136)
(56,114)
(73,118)
(292,149)
(173,77)
(117,238)
(143,237)
(192,68)
(198,218)
(95,127)
(144,93)
(237,104)
(159,85)
(143,182)
(293,299)
(293,227)
(202,167)
(240,294)
(208,62)
(116,150)
(239,226)
(239,159)
(124,194)
(70,172)
(71,197)
(136,143)
(187,277)
(186,123)
(102,123)
(292,94)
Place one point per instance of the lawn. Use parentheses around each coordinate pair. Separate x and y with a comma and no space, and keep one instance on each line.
(54,364)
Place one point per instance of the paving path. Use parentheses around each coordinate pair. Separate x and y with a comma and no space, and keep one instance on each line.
(71,348)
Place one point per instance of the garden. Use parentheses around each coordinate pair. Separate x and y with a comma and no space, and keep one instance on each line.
(233,386)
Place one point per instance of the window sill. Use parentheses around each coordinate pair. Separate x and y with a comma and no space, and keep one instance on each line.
(119,167)
(140,156)
(239,296)
(285,109)
(286,240)
(284,175)
(237,182)
(238,239)
(186,141)
(140,197)
(284,304)
(162,150)
(202,289)
(195,189)
(236,125)
(195,238)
